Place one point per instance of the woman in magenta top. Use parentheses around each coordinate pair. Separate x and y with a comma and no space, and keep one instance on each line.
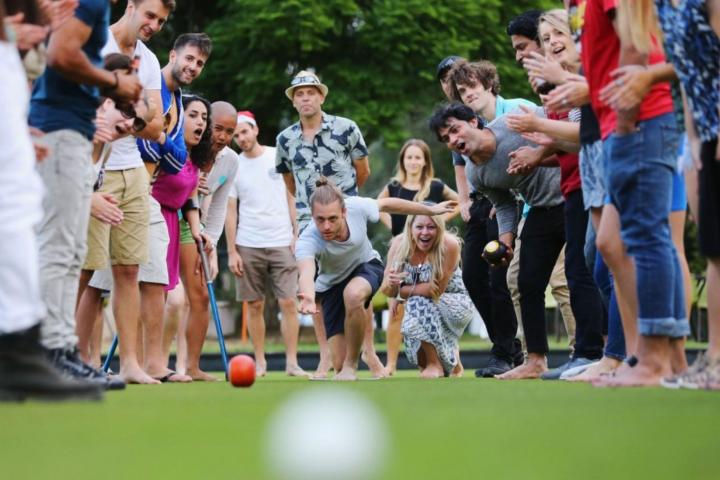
(172,191)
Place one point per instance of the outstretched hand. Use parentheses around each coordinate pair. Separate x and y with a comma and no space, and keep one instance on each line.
(306,304)
(441,208)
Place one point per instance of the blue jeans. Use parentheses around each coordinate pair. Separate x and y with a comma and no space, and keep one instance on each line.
(638,171)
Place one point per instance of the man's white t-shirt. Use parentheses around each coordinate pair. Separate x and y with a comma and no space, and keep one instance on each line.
(264,217)
(337,260)
(125,153)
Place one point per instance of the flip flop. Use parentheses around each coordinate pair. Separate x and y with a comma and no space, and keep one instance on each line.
(166,378)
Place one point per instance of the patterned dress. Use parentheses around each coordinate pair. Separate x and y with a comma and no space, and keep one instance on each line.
(440,324)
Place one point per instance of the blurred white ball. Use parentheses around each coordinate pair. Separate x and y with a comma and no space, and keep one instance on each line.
(326,434)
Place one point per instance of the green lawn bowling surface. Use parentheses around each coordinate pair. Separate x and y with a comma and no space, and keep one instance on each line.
(449,428)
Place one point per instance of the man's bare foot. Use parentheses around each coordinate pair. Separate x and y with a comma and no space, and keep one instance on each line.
(432,371)
(323,369)
(458,370)
(295,371)
(137,375)
(390,370)
(374,364)
(604,367)
(260,368)
(170,376)
(641,375)
(200,376)
(528,370)
(347,374)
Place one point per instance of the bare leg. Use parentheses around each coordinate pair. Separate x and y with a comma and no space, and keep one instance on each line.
(319,325)
(199,316)
(338,350)
(96,340)
(433,367)
(621,264)
(713,285)
(368,349)
(290,329)
(394,339)
(175,309)
(85,315)
(534,366)
(653,365)
(459,369)
(256,328)
(152,307)
(126,309)
(355,295)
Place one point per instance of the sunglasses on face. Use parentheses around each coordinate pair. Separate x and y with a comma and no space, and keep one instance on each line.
(128,111)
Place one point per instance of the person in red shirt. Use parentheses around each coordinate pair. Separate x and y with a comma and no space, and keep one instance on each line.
(639,146)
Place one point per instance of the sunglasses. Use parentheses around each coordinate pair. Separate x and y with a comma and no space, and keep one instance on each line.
(128,111)
(307,79)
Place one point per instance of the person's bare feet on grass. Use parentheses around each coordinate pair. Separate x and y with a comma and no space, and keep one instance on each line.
(390,370)
(644,374)
(374,364)
(137,375)
(200,376)
(347,374)
(295,371)
(458,370)
(604,367)
(170,376)
(532,368)
(432,371)
(323,370)
(260,368)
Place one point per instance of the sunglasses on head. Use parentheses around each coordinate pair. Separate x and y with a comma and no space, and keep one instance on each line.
(306,79)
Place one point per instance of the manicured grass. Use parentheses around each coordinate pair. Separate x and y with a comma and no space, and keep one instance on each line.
(450,428)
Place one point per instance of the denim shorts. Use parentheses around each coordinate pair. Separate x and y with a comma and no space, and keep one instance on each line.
(592,175)
(639,170)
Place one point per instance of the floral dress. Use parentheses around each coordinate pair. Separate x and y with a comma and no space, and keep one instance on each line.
(440,324)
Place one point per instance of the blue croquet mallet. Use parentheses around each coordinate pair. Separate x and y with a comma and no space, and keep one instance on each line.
(110,354)
(213,304)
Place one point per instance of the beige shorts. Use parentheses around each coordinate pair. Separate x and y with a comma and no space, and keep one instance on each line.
(277,264)
(127,243)
(155,269)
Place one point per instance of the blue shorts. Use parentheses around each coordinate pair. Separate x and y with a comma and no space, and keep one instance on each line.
(679,195)
(333,302)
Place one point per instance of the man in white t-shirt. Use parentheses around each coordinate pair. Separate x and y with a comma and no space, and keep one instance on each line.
(350,270)
(124,247)
(260,239)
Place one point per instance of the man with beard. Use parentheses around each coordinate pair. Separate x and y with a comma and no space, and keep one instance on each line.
(260,242)
(168,154)
(126,246)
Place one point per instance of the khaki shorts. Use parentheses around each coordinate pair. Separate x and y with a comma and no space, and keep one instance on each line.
(260,263)
(127,243)
(155,269)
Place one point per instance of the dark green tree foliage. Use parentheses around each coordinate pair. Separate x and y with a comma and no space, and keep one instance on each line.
(377,57)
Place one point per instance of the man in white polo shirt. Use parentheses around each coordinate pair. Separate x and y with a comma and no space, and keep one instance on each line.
(259,226)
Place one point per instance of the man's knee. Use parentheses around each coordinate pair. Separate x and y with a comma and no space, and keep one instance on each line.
(354,298)
(287,304)
(256,307)
(125,274)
